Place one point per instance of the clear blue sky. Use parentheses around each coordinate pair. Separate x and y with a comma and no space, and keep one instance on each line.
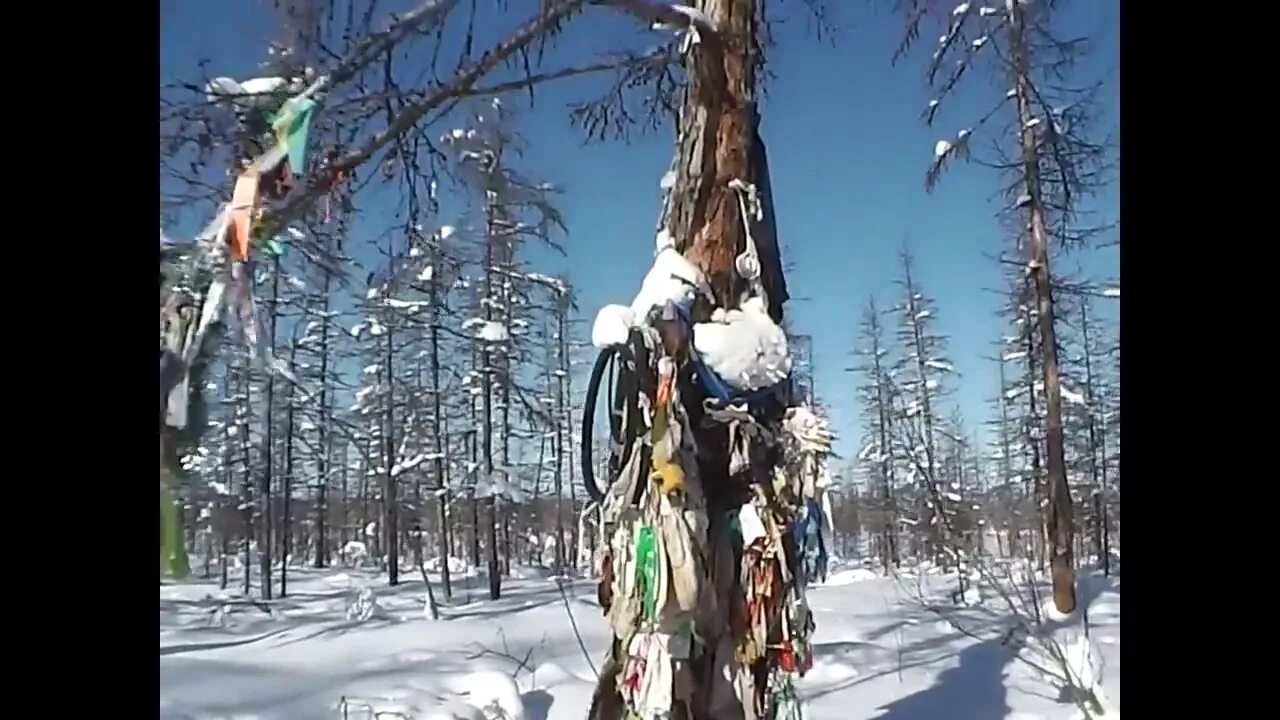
(848,153)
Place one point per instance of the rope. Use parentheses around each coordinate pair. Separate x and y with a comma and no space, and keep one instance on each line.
(574,624)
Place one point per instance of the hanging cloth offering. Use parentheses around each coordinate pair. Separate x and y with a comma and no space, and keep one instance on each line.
(647,570)
(244,202)
(291,126)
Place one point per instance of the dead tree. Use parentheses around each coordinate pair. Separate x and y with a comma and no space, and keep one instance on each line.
(875,396)
(1051,164)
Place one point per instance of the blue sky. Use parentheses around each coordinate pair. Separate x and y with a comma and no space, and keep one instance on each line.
(848,153)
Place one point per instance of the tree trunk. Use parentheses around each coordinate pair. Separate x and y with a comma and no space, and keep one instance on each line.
(569,455)
(1102,498)
(1035,485)
(439,447)
(561,311)
(390,508)
(287,531)
(264,549)
(1059,519)
(940,522)
(345,516)
(246,481)
(326,447)
(507,503)
(890,544)
(486,361)
(208,552)
(1095,490)
(716,134)
(224,552)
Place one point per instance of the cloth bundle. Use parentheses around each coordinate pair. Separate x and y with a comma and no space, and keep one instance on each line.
(712,617)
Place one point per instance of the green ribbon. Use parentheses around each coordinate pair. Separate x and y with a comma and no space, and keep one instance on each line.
(275,247)
(173,552)
(647,569)
(291,125)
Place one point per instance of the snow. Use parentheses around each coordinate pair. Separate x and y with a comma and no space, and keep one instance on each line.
(612,326)
(940,365)
(978,43)
(672,278)
(1111,292)
(554,283)
(1071,396)
(695,16)
(493,331)
(878,653)
(744,348)
(410,305)
(985,11)
(942,148)
(413,462)
(960,9)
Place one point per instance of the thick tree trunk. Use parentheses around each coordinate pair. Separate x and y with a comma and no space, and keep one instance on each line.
(716,133)
(1059,519)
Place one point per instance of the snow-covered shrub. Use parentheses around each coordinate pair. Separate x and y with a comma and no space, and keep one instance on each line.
(363,606)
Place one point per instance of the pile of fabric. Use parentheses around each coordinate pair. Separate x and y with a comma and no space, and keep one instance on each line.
(703,563)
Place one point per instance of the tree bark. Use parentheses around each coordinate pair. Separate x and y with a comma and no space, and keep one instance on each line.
(890,547)
(561,373)
(287,545)
(716,132)
(246,481)
(486,360)
(1059,525)
(326,449)
(390,508)
(264,550)
(436,424)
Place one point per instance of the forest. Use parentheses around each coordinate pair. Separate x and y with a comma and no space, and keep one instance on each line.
(381,317)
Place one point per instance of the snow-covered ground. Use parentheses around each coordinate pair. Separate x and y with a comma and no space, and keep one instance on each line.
(879,654)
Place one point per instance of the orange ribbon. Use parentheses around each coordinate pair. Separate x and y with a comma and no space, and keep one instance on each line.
(244,201)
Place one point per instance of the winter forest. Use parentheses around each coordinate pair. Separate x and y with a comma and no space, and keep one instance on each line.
(638,360)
